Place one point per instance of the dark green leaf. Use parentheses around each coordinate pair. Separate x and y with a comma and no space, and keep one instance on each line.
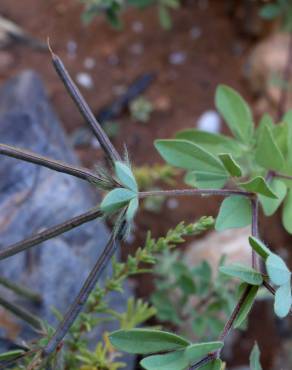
(235,211)
(236,113)
(144,341)
(258,185)
(230,165)
(270,205)
(268,154)
(254,358)
(283,300)
(169,361)
(247,274)
(10,354)
(259,247)
(125,176)
(287,212)
(278,272)
(196,351)
(116,199)
(246,306)
(212,143)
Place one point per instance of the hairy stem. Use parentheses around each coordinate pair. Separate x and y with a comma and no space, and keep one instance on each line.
(20,312)
(191,192)
(21,290)
(84,109)
(25,155)
(50,233)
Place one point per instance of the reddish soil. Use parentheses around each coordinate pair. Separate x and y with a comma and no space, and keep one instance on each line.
(185,91)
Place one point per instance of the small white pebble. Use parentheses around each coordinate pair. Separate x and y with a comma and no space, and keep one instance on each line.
(71,48)
(89,63)
(177,58)
(172,203)
(209,121)
(84,80)
(137,27)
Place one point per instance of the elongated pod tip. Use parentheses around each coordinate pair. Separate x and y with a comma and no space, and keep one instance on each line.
(50,48)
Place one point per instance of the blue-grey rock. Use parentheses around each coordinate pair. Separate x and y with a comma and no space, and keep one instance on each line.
(33,198)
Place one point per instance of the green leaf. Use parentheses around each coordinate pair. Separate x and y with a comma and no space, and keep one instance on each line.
(283,300)
(246,306)
(212,143)
(144,341)
(196,351)
(230,165)
(213,365)
(205,180)
(132,209)
(270,11)
(258,185)
(235,211)
(278,272)
(247,274)
(260,248)
(236,113)
(254,358)
(116,199)
(270,205)
(125,175)
(267,153)
(164,17)
(5,356)
(169,361)
(287,212)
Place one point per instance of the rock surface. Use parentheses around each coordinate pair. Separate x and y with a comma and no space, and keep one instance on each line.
(33,198)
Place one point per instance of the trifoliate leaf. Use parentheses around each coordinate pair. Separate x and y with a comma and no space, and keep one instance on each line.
(271,205)
(236,113)
(267,153)
(246,306)
(259,247)
(116,199)
(283,300)
(258,185)
(278,272)
(244,273)
(235,211)
(125,176)
(144,341)
(230,165)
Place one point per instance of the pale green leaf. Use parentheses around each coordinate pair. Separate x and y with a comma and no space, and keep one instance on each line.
(213,365)
(258,185)
(116,199)
(236,113)
(235,211)
(271,205)
(230,164)
(144,341)
(278,272)
(212,143)
(244,273)
(267,153)
(287,212)
(283,300)
(205,180)
(132,209)
(169,361)
(125,176)
(246,306)
(196,351)
(254,358)
(259,247)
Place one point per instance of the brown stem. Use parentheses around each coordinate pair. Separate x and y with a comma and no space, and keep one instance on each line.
(281,176)
(50,233)
(84,109)
(191,192)
(25,155)
(254,229)
(286,78)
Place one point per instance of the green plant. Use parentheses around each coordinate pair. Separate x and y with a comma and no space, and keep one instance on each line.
(112,9)
(141,109)
(252,168)
(281,9)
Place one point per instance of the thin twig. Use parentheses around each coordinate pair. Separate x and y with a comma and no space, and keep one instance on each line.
(281,176)
(254,229)
(82,297)
(25,155)
(25,315)
(84,109)
(21,290)
(191,192)
(50,233)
